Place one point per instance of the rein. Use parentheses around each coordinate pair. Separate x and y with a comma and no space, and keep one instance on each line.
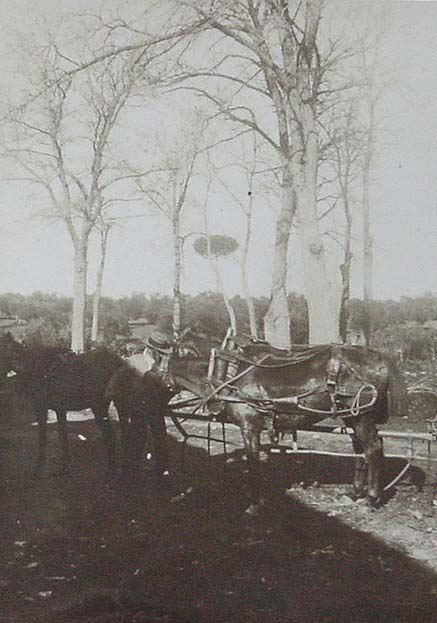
(356,408)
(289,362)
(204,401)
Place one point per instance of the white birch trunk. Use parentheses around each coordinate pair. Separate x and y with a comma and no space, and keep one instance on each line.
(277,318)
(250,305)
(345,269)
(79,295)
(322,301)
(323,309)
(177,304)
(227,302)
(215,267)
(244,278)
(367,232)
(99,284)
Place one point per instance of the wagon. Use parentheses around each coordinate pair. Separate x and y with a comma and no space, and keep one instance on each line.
(192,405)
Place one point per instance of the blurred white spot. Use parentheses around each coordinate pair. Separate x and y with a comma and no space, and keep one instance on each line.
(82,437)
(32,565)
(57,577)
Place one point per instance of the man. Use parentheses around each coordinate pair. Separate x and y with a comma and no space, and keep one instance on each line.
(158,345)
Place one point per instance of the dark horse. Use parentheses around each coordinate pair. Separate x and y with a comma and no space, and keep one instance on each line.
(141,397)
(281,391)
(49,378)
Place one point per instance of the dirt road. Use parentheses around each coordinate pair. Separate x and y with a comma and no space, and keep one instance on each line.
(82,550)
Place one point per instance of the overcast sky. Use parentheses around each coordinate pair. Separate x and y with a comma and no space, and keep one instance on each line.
(36,255)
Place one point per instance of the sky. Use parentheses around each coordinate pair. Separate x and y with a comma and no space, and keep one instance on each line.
(36,254)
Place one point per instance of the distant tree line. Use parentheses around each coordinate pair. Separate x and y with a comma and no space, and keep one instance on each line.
(399,326)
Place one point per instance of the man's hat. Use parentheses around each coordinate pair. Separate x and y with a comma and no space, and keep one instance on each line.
(160,341)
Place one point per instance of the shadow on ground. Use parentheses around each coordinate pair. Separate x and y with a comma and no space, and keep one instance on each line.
(80,550)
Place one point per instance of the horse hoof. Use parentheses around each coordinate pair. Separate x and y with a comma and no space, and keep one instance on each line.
(375,502)
(357,495)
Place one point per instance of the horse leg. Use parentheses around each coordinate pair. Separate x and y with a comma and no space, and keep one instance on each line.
(371,442)
(104,423)
(123,417)
(137,439)
(251,440)
(158,429)
(41,418)
(63,439)
(360,469)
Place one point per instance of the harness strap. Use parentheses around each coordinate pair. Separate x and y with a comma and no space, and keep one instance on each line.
(272,406)
(332,374)
(288,362)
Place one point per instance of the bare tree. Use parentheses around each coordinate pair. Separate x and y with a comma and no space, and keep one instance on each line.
(75,93)
(343,156)
(165,187)
(376,82)
(212,247)
(248,166)
(62,140)
(371,101)
(272,55)
(268,52)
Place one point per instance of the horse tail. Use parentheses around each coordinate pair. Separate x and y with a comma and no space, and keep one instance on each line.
(397,397)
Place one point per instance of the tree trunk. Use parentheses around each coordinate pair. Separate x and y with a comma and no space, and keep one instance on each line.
(345,269)
(177,302)
(215,267)
(250,305)
(320,295)
(277,318)
(244,279)
(227,302)
(367,233)
(99,283)
(79,295)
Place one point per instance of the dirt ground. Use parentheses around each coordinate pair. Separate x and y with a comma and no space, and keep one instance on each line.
(80,549)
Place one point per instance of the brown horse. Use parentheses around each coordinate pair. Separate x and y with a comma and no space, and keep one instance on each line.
(282,391)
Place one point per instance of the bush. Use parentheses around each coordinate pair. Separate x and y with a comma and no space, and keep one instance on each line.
(47,332)
(413,341)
